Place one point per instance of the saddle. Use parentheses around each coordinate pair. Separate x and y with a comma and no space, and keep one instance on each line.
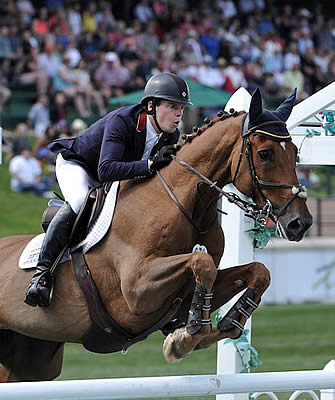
(104,334)
(88,213)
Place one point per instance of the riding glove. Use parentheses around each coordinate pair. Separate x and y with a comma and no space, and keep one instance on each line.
(163,157)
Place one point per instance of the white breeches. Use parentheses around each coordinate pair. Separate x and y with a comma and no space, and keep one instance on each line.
(74,182)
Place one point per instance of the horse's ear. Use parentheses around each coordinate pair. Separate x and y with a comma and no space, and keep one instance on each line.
(256,106)
(285,109)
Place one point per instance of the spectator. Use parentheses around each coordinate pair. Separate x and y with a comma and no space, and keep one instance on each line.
(62,129)
(88,47)
(253,73)
(192,52)
(39,116)
(273,91)
(49,61)
(274,62)
(235,73)
(210,42)
(143,12)
(265,24)
(294,78)
(321,58)
(111,76)
(89,18)
(309,67)
(228,8)
(46,160)
(29,72)
(54,4)
(59,108)
(17,140)
(65,81)
(86,89)
(25,172)
(150,40)
(73,53)
(291,56)
(50,134)
(208,75)
(26,10)
(40,24)
(5,95)
(6,54)
(144,68)
(75,20)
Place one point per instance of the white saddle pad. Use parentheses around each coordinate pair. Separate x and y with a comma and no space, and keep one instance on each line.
(30,254)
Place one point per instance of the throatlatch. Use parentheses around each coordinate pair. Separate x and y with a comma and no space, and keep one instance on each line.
(195,321)
(233,317)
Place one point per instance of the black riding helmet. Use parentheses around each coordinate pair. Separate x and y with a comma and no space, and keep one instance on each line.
(167,86)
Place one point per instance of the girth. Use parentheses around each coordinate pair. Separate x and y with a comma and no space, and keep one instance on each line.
(104,334)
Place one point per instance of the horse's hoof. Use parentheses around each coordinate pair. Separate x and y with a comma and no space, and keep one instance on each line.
(170,351)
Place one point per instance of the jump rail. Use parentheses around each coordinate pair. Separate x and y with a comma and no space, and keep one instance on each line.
(169,386)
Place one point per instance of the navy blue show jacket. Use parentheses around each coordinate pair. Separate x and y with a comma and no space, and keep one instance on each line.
(111,149)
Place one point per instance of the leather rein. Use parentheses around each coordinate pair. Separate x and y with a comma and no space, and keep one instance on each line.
(251,210)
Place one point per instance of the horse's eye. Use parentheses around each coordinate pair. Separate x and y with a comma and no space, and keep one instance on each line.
(264,155)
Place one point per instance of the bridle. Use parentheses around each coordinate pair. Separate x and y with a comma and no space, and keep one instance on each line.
(297,190)
(251,210)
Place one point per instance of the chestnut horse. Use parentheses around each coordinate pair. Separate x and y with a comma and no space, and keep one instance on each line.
(146,262)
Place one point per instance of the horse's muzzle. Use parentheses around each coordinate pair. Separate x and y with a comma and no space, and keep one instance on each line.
(295,227)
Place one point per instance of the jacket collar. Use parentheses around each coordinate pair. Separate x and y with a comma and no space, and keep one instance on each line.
(141,122)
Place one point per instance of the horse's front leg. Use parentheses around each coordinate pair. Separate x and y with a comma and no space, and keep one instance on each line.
(162,279)
(254,277)
(182,341)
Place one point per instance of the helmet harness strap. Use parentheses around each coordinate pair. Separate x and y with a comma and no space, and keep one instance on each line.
(153,113)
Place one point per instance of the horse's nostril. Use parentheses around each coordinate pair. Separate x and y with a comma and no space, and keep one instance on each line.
(295,225)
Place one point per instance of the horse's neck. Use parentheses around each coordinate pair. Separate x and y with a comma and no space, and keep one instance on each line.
(211,154)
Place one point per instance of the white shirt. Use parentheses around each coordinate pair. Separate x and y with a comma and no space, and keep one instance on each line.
(75,22)
(150,141)
(26,169)
(210,76)
(236,76)
(49,63)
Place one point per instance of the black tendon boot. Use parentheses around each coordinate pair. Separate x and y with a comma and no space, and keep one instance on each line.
(56,237)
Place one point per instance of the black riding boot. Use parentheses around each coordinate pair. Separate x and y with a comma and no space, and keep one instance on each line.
(56,237)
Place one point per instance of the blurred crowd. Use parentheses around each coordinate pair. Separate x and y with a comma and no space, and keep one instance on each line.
(80,54)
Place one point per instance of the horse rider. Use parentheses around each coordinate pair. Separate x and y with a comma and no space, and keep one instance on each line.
(130,142)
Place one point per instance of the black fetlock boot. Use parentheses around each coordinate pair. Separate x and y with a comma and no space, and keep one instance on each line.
(56,238)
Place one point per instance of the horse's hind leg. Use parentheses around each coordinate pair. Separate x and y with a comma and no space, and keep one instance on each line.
(256,278)
(24,358)
(182,341)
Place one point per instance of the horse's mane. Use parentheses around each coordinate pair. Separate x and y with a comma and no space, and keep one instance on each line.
(198,130)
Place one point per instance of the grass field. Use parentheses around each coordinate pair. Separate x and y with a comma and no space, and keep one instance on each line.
(289,337)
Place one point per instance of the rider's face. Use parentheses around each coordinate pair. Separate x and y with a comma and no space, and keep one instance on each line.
(169,115)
